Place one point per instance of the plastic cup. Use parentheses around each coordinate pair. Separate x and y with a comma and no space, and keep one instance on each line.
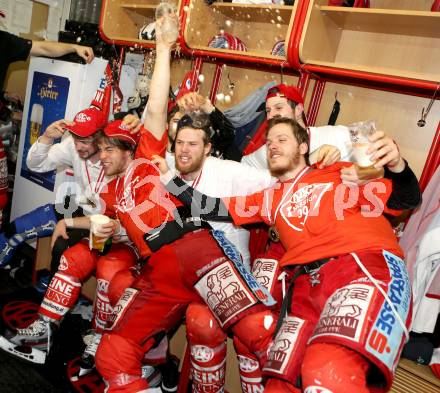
(359,136)
(96,241)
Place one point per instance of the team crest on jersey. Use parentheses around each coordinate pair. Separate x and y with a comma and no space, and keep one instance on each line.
(224,292)
(345,311)
(303,203)
(126,201)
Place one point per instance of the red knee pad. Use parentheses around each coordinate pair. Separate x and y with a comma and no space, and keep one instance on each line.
(202,328)
(118,360)
(120,257)
(120,281)
(78,261)
(255,331)
(208,349)
(334,368)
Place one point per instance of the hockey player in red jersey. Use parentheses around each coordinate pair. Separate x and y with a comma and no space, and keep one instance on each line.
(350,295)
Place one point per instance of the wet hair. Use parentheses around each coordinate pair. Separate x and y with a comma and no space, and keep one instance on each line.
(100,137)
(198,121)
(299,132)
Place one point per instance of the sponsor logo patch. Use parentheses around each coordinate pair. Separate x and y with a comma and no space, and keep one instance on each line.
(64,265)
(232,253)
(246,364)
(202,353)
(123,303)
(284,345)
(208,379)
(103,308)
(344,313)
(82,118)
(386,335)
(224,292)
(264,272)
(60,294)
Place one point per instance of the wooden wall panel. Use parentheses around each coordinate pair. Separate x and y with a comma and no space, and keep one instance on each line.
(394,113)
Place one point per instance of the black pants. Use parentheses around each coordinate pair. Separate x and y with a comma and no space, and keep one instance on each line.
(75,235)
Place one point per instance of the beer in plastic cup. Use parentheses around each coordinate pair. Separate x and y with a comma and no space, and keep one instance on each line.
(96,241)
(36,123)
(359,133)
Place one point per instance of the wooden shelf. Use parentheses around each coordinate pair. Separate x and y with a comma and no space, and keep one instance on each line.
(401,43)
(122,20)
(377,70)
(259,26)
(255,13)
(385,21)
(254,53)
(139,6)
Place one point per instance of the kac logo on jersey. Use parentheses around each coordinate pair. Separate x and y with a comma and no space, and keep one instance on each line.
(385,338)
(303,203)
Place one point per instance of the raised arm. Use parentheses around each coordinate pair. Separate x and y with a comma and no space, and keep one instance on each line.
(390,164)
(156,111)
(57,49)
(45,156)
(224,132)
(406,192)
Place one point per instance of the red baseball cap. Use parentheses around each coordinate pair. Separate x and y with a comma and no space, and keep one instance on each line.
(289,92)
(87,122)
(117,129)
(188,85)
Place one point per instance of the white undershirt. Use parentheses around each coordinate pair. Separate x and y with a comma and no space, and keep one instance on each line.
(225,178)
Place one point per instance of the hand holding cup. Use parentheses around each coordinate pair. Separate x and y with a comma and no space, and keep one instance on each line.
(360,135)
(101,228)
